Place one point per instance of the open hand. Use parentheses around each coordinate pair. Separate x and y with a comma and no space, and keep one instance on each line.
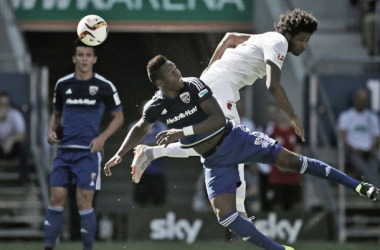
(296,124)
(168,136)
(116,159)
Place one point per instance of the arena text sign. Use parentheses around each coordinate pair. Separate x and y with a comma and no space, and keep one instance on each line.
(141,15)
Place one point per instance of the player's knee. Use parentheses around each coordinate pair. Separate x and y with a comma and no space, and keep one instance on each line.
(57,200)
(288,160)
(84,201)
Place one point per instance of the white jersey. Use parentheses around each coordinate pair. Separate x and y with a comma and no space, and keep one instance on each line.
(243,65)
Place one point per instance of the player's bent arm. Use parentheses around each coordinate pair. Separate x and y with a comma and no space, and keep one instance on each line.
(279,94)
(230,40)
(215,120)
(55,120)
(215,117)
(276,90)
(116,122)
(134,136)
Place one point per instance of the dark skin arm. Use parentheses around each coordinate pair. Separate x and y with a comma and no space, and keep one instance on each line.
(279,94)
(134,136)
(215,120)
(230,40)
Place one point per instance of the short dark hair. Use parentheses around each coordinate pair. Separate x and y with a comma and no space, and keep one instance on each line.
(153,67)
(79,43)
(296,21)
(6,95)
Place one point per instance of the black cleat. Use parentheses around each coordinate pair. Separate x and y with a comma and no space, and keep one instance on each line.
(368,190)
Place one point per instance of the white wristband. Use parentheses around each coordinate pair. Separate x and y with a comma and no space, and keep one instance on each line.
(189,130)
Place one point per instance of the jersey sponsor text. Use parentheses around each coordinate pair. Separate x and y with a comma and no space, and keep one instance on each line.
(181,115)
(81,101)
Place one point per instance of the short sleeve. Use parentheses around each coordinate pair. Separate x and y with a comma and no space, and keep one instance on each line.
(375,128)
(57,99)
(342,122)
(275,51)
(199,91)
(111,99)
(148,114)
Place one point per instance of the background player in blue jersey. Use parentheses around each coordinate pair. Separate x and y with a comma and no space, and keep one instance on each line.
(80,99)
(195,118)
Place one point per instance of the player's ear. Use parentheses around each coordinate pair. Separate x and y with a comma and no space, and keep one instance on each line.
(95,59)
(288,36)
(74,60)
(158,83)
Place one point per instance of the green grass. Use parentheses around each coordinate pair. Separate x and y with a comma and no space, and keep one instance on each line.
(235,245)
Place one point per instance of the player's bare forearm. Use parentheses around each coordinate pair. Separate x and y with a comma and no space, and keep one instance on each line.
(55,120)
(116,122)
(215,120)
(230,40)
(134,136)
(278,93)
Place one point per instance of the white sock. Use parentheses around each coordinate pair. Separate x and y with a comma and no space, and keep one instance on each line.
(173,150)
(240,192)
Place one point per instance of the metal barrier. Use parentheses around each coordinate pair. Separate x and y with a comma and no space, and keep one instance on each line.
(39,122)
(349,67)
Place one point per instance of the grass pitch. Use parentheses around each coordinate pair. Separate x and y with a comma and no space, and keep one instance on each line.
(219,245)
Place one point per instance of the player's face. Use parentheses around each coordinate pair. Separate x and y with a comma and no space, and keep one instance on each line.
(171,77)
(297,43)
(84,59)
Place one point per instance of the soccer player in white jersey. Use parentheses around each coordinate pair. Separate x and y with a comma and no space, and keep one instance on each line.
(238,61)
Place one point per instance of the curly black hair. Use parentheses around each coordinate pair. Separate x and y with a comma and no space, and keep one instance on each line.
(296,21)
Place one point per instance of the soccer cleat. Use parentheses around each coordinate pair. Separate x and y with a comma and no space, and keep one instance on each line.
(368,190)
(140,162)
(288,248)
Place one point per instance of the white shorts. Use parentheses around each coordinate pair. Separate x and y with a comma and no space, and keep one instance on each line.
(225,93)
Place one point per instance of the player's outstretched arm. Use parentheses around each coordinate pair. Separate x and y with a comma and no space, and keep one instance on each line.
(279,94)
(230,40)
(134,136)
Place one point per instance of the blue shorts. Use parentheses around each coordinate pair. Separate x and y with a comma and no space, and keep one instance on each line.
(239,146)
(77,167)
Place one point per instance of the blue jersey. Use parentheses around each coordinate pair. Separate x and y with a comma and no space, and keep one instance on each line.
(82,104)
(181,111)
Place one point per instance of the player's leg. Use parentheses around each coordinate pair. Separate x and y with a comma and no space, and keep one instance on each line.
(60,179)
(223,201)
(144,155)
(291,161)
(87,217)
(53,219)
(87,172)
(240,192)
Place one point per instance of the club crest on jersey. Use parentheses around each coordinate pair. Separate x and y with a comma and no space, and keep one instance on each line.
(230,104)
(185,97)
(281,57)
(93,90)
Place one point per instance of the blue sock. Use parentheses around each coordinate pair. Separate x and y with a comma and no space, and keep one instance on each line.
(247,231)
(52,225)
(87,228)
(323,170)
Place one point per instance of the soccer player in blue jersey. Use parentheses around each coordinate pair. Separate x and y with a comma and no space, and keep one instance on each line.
(194,117)
(80,99)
